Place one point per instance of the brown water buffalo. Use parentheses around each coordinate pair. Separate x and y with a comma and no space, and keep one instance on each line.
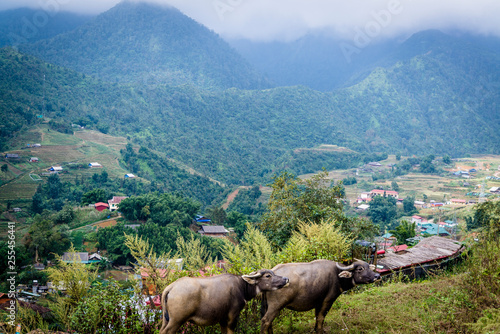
(314,285)
(212,300)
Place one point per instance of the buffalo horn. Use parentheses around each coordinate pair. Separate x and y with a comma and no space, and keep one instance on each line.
(348,268)
(253,275)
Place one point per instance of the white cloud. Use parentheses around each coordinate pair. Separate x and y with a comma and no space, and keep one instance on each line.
(288,19)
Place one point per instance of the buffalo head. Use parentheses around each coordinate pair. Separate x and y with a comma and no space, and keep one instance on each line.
(265,280)
(360,272)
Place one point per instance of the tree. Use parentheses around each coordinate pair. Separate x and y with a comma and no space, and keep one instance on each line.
(426,165)
(5,168)
(314,241)
(394,186)
(94,196)
(409,205)
(216,214)
(238,221)
(447,160)
(404,231)
(294,200)
(383,210)
(486,216)
(46,238)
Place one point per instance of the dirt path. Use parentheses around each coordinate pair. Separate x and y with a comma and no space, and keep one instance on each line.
(230,198)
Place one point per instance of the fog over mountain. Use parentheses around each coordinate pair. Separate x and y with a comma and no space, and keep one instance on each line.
(287,20)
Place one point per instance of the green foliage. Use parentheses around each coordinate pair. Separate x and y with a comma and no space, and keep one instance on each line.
(426,165)
(196,255)
(168,177)
(383,211)
(395,186)
(46,237)
(162,209)
(107,308)
(60,127)
(409,205)
(254,252)
(404,231)
(447,160)
(238,221)
(246,202)
(294,200)
(75,276)
(95,196)
(216,214)
(141,52)
(312,241)
(348,181)
(486,216)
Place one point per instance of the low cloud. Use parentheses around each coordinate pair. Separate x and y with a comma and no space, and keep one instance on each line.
(290,19)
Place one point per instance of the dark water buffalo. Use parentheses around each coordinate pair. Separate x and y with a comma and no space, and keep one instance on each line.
(212,300)
(314,285)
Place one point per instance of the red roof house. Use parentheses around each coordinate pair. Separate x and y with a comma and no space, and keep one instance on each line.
(101,206)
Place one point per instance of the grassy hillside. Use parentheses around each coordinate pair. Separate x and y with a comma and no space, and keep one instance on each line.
(75,152)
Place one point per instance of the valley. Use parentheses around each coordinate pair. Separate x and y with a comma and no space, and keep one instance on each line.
(144,137)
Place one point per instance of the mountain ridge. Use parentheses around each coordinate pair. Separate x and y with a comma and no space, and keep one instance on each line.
(149,44)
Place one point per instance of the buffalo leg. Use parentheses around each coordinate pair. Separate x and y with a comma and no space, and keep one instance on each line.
(266,324)
(321,313)
(171,327)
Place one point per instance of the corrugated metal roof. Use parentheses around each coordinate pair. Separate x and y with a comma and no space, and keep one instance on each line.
(214,229)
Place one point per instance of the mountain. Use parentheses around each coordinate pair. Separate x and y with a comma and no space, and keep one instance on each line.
(27,25)
(149,44)
(316,60)
(438,94)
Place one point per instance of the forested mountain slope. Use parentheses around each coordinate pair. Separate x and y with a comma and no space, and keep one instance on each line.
(149,44)
(27,25)
(440,99)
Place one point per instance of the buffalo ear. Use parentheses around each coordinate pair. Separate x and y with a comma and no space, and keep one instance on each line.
(252,277)
(345,274)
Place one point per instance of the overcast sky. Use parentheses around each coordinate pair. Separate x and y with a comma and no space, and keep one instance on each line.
(290,19)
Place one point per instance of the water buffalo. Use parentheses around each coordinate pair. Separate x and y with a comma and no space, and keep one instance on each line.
(314,285)
(212,300)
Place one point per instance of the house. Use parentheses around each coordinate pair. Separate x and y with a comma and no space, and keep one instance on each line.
(416,219)
(374,164)
(56,169)
(100,206)
(115,201)
(384,193)
(39,266)
(437,204)
(33,159)
(17,209)
(202,219)
(214,231)
(129,176)
(363,207)
(398,249)
(95,257)
(458,201)
(434,229)
(472,170)
(95,165)
(12,156)
(82,257)
(495,190)
(419,204)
